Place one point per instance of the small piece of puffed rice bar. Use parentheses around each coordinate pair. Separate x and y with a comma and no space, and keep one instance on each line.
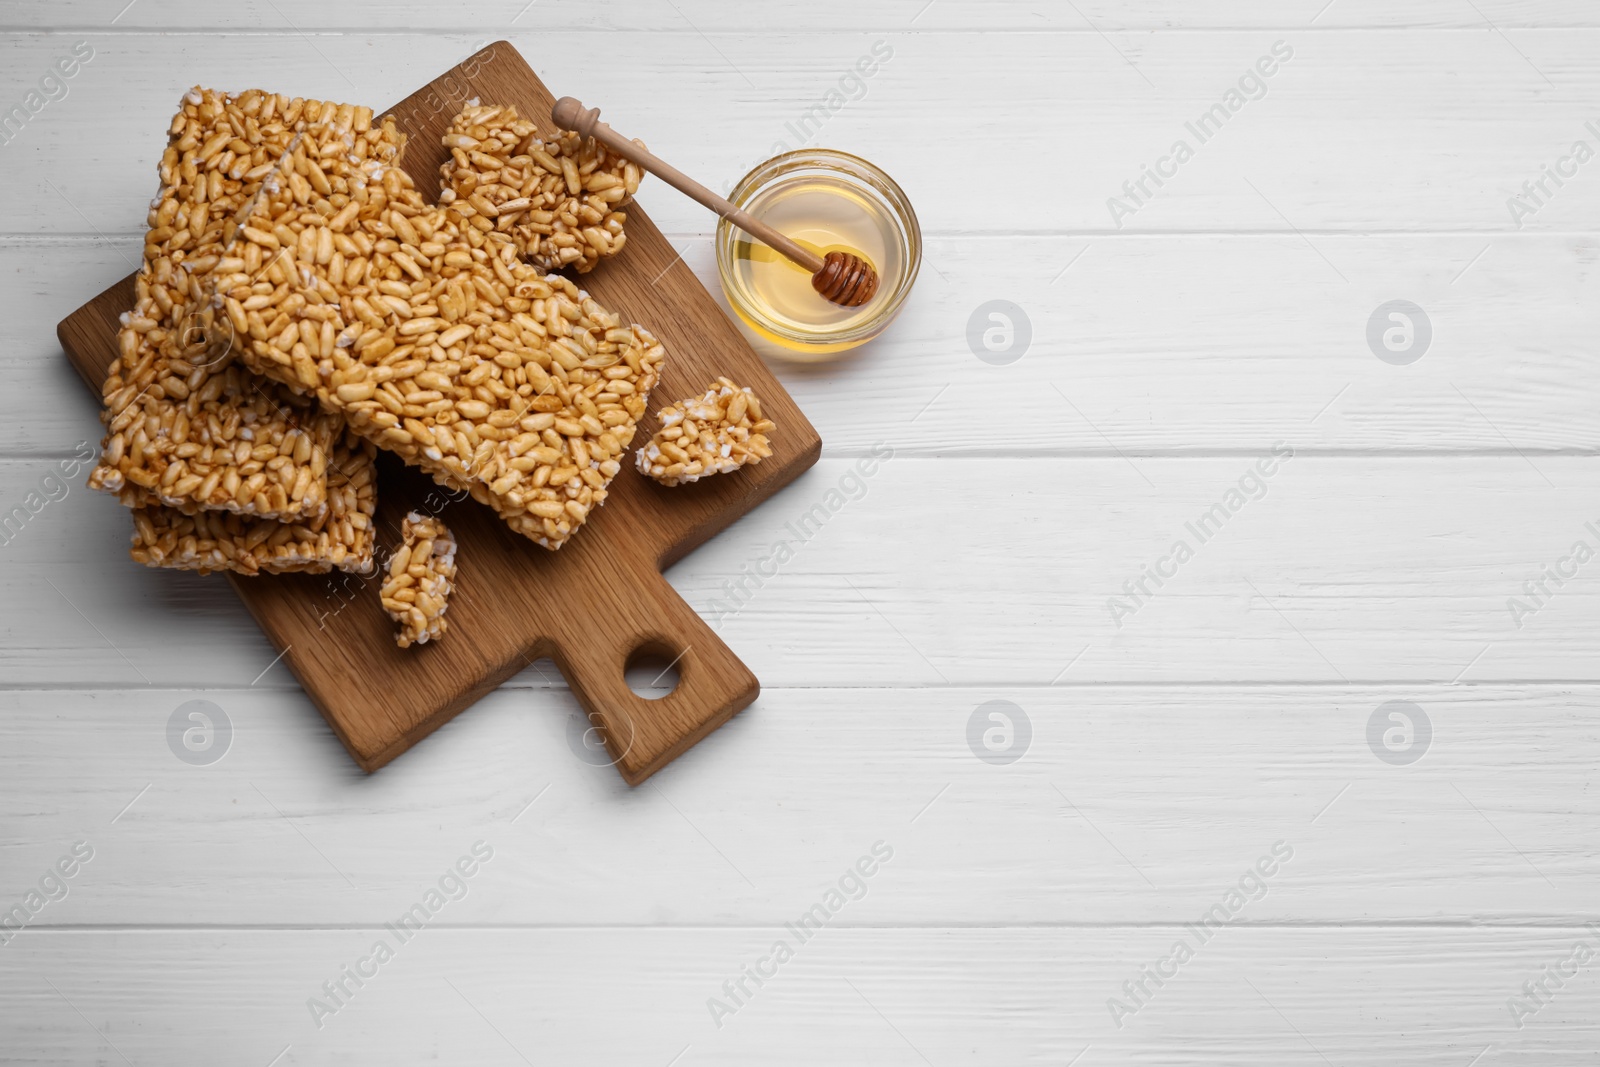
(416,591)
(712,434)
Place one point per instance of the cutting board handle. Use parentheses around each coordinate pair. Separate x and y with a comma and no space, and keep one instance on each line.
(637,615)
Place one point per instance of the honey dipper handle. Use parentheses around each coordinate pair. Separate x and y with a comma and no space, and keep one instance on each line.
(569,114)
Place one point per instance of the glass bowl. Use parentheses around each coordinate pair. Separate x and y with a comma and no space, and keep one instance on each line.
(824,200)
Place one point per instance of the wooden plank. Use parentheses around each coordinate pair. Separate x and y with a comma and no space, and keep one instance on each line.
(1392,997)
(411,16)
(593,607)
(1389,569)
(1207,343)
(1126,804)
(1439,152)
(1188,344)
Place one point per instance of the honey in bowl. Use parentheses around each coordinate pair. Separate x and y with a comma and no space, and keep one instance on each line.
(824,201)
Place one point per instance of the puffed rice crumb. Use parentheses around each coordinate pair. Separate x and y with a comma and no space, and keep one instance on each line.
(712,434)
(422,572)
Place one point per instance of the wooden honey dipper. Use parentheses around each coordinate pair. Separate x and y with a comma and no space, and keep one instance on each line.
(842,278)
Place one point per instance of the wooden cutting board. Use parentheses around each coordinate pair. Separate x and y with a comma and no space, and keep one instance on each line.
(593,605)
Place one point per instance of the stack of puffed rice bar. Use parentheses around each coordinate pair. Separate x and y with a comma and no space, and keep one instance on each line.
(301,304)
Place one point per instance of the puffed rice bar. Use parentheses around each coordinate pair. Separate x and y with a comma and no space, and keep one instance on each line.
(422,572)
(429,335)
(185,426)
(219,540)
(712,434)
(558,199)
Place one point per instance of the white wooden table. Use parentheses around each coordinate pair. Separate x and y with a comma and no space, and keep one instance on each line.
(1155,748)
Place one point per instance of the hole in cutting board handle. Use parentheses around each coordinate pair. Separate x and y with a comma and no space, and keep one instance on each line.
(652,669)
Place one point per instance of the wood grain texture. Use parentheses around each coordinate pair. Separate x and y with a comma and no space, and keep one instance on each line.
(395,17)
(1346,570)
(1130,805)
(589,607)
(1392,997)
(1269,344)
(1358,132)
